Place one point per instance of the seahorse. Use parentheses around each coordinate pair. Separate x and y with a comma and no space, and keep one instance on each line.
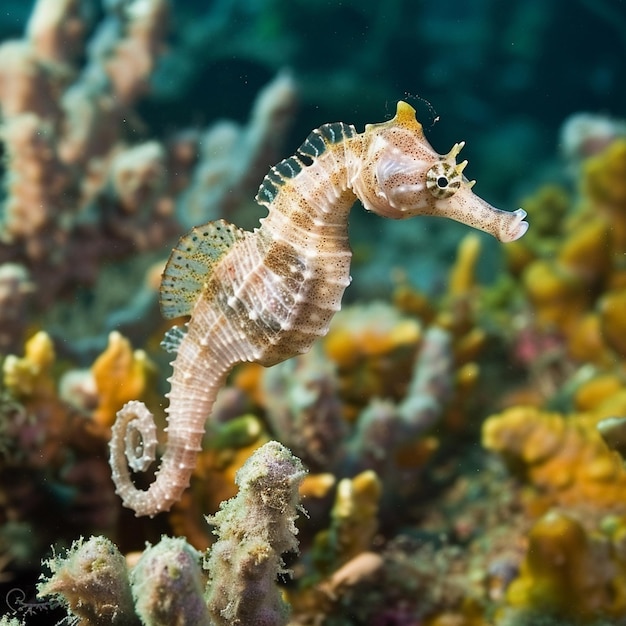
(267,295)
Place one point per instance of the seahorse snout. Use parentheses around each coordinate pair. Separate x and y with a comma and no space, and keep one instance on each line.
(514,227)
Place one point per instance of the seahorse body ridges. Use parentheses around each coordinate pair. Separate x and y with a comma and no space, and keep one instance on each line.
(267,295)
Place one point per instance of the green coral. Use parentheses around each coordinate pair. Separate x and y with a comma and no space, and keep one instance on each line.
(92,581)
(254,528)
(167,585)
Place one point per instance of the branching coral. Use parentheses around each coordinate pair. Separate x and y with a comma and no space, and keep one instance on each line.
(253,530)
(65,211)
(166,586)
(85,183)
(92,580)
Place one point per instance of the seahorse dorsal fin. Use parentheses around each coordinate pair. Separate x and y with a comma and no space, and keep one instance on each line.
(191,263)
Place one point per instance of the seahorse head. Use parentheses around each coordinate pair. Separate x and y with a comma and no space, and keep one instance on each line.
(402,176)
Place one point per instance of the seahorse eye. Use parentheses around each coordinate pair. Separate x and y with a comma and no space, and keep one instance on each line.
(443,180)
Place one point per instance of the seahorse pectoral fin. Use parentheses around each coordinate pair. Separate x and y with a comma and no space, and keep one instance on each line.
(172,339)
(191,263)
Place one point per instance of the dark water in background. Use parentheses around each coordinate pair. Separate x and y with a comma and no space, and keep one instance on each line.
(517,68)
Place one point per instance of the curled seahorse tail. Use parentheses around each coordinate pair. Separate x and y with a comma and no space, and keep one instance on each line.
(133,446)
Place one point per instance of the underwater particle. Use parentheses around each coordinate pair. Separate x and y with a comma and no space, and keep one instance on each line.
(92,582)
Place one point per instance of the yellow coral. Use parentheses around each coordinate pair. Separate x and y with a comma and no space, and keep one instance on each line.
(355,512)
(573,268)
(604,185)
(373,347)
(585,251)
(564,459)
(368,331)
(585,342)
(594,392)
(462,276)
(605,175)
(354,522)
(567,571)
(559,295)
(612,311)
(30,375)
(121,375)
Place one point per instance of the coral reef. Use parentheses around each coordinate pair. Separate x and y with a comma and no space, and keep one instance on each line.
(92,581)
(563,457)
(74,196)
(462,423)
(85,186)
(167,584)
(52,457)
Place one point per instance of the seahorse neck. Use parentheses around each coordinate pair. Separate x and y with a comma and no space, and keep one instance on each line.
(314,203)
